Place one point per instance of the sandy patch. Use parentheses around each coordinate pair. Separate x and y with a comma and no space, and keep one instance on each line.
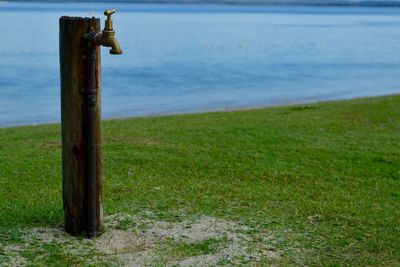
(144,241)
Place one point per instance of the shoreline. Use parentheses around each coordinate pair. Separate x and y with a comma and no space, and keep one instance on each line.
(216,110)
(267,3)
(198,7)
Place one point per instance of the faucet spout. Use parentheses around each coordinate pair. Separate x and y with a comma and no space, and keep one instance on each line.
(115,48)
(107,38)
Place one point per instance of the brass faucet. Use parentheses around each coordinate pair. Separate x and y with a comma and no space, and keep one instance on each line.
(106,37)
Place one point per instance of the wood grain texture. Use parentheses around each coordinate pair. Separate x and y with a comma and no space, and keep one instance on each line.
(73,123)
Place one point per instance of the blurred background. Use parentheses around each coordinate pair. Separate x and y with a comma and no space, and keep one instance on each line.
(204,55)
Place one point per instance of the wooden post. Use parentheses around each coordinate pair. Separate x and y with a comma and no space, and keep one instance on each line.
(73,48)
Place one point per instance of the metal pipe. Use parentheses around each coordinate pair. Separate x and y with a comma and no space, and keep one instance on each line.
(105,38)
(91,97)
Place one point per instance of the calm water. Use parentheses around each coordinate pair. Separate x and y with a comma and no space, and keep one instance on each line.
(192,58)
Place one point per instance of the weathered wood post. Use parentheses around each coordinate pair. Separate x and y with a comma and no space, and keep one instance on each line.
(73,51)
(80,40)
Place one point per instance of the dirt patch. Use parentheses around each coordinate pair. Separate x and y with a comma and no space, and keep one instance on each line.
(144,241)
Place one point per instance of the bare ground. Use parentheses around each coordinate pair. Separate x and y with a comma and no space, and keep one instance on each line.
(143,241)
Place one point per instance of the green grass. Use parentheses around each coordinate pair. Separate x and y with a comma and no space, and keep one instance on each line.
(325,177)
(184,249)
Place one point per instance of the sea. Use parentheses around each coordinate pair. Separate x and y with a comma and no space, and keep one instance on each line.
(180,58)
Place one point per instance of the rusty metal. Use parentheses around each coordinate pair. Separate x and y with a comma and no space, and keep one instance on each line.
(91,97)
(105,38)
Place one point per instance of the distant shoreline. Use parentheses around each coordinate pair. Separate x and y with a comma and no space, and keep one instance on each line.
(329,3)
(287,104)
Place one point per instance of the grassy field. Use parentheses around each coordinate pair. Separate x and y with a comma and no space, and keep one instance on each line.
(322,179)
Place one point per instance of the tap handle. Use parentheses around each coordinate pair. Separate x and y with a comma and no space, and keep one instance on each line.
(109,22)
(109,12)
